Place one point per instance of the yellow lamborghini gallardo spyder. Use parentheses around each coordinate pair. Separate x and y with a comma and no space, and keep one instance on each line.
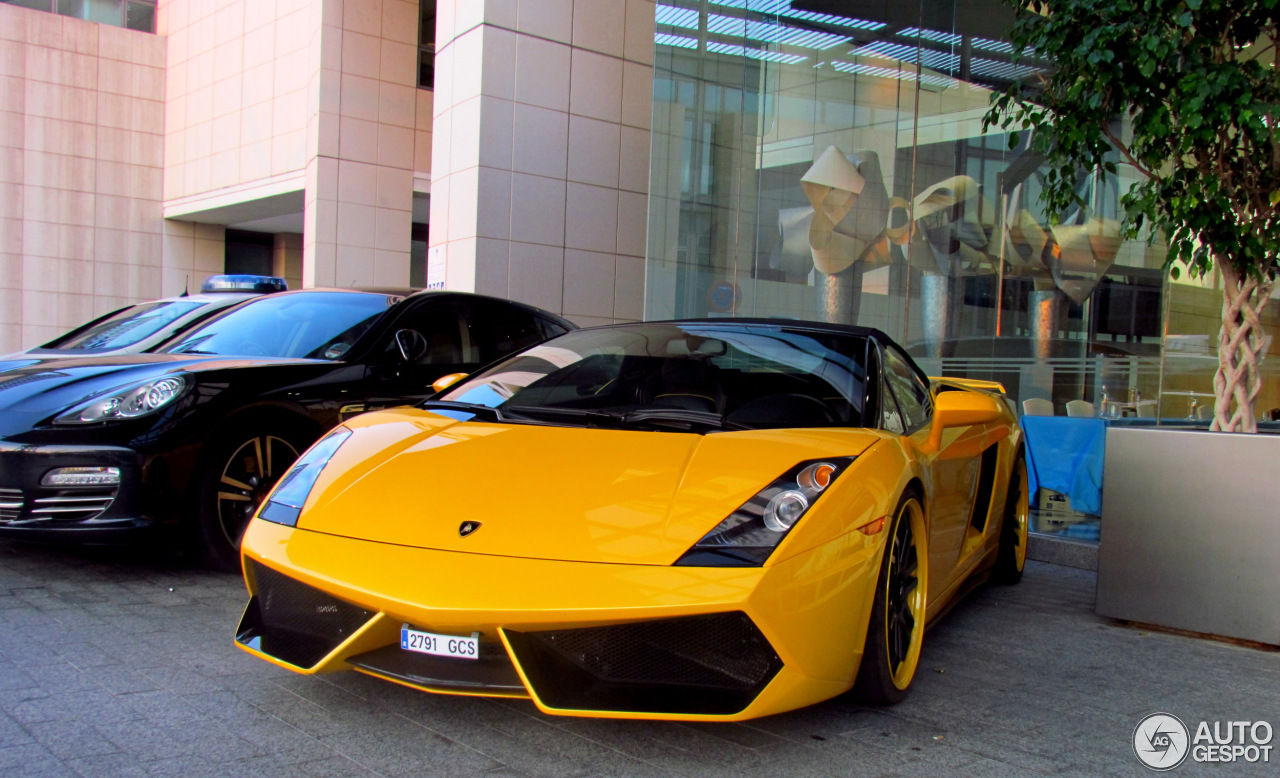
(698,520)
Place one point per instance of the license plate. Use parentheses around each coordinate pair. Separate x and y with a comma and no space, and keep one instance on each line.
(439,645)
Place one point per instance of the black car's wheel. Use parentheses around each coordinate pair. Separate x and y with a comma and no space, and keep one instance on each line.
(1012,556)
(896,630)
(239,469)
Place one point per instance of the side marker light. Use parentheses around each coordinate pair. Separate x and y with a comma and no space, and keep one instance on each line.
(872,527)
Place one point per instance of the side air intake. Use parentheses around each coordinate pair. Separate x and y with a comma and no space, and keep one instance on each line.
(293,622)
(715,664)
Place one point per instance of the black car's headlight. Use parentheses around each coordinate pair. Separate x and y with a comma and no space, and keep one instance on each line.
(751,533)
(129,402)
(284,504)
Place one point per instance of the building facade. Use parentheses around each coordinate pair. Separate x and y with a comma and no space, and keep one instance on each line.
(609,160)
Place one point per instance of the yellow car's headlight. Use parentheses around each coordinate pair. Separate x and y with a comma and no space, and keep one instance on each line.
(284,504)
(750,534)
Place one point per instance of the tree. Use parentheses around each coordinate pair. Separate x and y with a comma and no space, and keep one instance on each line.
(1188,93)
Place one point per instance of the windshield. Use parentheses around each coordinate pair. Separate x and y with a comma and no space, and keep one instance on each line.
(127,326)
(313,325)
(746,376)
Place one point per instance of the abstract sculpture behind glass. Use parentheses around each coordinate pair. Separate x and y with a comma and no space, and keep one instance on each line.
(852,219)
(847,217)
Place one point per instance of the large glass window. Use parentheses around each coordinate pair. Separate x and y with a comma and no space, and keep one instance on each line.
(39,5)
(140,16)
(135,14)
(825,160)
(427,45)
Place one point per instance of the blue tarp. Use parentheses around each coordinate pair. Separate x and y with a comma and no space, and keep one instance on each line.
(1065,454)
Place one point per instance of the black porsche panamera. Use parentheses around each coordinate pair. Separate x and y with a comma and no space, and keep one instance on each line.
(104,449)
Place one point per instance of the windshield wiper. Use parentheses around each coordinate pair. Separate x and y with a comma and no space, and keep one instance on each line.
(680,418)
(490,413)
(592,418)
(667,418)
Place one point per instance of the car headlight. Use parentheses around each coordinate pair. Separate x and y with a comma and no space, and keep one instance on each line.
(284,504)
(750,534)
(130,402)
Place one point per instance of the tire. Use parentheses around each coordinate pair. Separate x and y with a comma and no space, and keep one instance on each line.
(238,470)
(1012,555)
(896,631)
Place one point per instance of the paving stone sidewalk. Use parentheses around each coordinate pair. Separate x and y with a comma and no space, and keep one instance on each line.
(114,664)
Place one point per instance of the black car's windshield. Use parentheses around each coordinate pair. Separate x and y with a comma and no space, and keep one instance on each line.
(703,374)
(127,326)
(314,325)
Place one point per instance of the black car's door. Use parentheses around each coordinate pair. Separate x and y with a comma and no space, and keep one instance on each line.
(443,336)
(437,336)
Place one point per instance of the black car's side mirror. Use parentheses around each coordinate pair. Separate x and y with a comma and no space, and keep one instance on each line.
(411,345)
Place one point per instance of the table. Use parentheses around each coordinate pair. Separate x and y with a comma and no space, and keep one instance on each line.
(1065,454)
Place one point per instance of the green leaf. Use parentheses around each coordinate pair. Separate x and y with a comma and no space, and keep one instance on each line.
(1275,197)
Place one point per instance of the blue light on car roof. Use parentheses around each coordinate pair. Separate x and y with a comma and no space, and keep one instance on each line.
(244,283)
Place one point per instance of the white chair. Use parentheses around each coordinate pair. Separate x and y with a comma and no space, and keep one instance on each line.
(1080,409)
(1147,411)
(1037,406)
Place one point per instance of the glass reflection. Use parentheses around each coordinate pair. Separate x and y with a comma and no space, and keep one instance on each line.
(825,160)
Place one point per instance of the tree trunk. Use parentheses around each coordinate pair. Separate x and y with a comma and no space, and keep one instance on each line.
(1240,345)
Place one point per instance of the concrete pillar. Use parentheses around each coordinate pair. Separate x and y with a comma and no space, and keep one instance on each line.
(286,258)
(540,152)
(359,173)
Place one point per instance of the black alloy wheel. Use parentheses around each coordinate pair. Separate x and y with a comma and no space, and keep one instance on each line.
(240,469)
(902,581)
(895,632)
(249,474)
(1011,557)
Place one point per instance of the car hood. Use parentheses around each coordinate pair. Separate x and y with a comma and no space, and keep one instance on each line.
(411,477)
(33,390)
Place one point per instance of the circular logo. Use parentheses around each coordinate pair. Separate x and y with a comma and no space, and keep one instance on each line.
(1161,741)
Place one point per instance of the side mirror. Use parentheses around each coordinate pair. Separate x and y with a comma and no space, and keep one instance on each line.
(446,381)
(411,345)
(962,409)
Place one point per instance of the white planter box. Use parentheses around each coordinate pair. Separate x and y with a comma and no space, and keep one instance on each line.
(1191,532)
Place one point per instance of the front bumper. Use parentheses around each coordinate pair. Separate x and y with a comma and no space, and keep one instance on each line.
(85,514)
(610,640)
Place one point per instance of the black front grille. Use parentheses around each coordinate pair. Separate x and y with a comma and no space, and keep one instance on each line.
(714,664)
(47,507)
(293,622)
(11,502)
(72,505)
(491,673)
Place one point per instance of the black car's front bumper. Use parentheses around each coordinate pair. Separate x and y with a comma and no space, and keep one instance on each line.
(83,514)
